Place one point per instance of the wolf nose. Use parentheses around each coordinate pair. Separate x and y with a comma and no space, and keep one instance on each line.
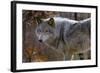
(40,40)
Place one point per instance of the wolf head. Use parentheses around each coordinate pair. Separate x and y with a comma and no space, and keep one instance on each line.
(45,30)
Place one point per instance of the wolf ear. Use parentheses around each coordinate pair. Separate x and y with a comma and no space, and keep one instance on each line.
(51,22)
(38,20)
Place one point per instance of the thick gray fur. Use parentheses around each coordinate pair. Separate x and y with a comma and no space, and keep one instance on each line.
(68,37)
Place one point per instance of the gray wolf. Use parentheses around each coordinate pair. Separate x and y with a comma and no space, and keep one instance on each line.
(65,36)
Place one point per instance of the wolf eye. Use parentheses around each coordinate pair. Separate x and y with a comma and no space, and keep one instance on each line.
(38,30)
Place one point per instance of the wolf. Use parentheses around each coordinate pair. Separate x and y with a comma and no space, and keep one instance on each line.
(65,36)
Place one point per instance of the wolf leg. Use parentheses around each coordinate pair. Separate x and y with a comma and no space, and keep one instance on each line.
(72,57)
(87,55)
